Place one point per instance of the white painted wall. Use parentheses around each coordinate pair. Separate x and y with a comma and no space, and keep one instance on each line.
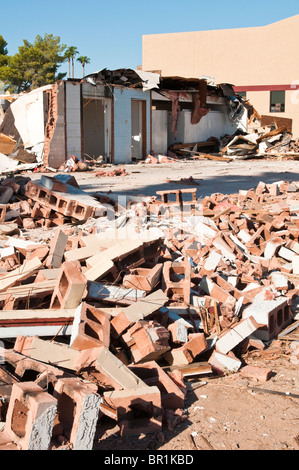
(123,122)
(214,124)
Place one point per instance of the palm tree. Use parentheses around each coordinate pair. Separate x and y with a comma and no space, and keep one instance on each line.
(83,59)
(70,54)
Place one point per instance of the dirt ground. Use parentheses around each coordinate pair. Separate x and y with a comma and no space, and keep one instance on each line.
(223,413)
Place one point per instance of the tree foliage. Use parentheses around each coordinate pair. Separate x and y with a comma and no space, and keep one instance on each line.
(83,59)
(70,54)
(34,65)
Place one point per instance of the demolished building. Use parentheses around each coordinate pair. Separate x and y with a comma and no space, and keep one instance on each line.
(120,116)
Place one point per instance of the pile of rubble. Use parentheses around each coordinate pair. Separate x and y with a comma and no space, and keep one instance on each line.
(111,317)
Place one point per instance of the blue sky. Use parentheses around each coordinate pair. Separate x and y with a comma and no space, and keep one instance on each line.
(110,33)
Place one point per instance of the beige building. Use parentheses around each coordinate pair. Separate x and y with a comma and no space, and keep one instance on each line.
(261,62)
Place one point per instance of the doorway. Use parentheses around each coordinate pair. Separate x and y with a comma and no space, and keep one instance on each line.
(97,128)
(138,110)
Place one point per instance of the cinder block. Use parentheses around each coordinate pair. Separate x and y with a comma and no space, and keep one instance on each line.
(186,354)
(176,280)
(143,278)
(70,286)
(178,332)
(91,328)
(77,411)
(223,364)
(272,316)
(57,249)
(147,341)
(139,411)
(144,309)
(217,292)
(153,375)
(235,335)
(100,366)
(30,416)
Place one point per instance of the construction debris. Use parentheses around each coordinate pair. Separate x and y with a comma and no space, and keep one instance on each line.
(106,318)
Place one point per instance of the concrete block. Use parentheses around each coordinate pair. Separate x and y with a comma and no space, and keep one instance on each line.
(139,411)
(30,416)
(70,286)
(49,352)
(272,316)
(187,353)
(176,280)
(235,335)
(147,341)
(144,309)
(223,364)
(143,278)
(104,368)
(78,411)
(178,332)
(91,328)
(57,249)
(6,192)
(172,396)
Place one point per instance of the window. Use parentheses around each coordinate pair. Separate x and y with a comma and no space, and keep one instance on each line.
(277,101)
(243,94)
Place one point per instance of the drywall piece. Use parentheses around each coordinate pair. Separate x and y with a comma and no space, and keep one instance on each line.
(295,264)
(7,144)
(286,254)
(211,262)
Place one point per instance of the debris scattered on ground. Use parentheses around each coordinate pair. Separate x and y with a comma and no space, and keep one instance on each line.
(116,317)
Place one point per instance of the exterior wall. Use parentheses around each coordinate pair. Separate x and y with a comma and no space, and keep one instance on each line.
(73,119)
(261,101)
(248,57)
(122,122)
